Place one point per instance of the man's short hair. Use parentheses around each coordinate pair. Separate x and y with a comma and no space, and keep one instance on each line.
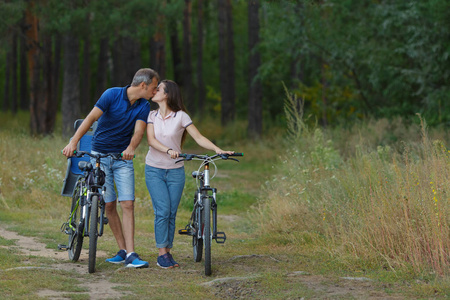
(144,75)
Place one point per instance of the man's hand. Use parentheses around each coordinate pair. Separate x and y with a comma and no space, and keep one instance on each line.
(128,154)
(69,149)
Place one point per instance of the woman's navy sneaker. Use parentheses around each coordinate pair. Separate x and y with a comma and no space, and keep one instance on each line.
(174,263)
(164,262)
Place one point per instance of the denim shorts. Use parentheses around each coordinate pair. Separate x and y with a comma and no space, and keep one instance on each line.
(120,172)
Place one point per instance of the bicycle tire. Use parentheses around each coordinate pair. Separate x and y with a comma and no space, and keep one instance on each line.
(76,234)
(207,234)
(93,233)
(197,243)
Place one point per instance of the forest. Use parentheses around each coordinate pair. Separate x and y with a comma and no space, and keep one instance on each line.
(340,106)
(234,59)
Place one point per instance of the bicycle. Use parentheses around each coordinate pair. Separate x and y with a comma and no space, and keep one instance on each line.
(87,199)
(202,225)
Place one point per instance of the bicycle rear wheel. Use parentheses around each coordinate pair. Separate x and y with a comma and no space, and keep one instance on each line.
(197,243)
(93,233)
(207,234)
(76,233)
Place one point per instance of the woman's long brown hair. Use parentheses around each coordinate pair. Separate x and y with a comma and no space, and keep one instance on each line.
(174,100)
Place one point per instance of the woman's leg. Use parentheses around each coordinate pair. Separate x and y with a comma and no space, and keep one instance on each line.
(175,183)
(159,192)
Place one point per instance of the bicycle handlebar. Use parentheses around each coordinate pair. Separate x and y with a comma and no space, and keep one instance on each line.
(82,153)
(113,155)
(225,156)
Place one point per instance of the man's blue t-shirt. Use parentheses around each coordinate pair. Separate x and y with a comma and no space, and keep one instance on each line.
(116,125)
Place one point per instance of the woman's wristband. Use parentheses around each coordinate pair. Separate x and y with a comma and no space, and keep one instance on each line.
(168,150)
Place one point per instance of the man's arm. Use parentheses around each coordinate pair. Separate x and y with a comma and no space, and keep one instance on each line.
(93,116)
(139,129)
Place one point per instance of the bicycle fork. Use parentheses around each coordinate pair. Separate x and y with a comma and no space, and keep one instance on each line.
(102,220)
(220,237)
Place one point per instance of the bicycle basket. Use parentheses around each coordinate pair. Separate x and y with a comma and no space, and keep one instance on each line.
(101,178)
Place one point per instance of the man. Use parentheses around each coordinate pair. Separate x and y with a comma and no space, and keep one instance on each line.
(120,112)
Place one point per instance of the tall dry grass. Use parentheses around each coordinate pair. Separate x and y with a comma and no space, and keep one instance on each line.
(381,205)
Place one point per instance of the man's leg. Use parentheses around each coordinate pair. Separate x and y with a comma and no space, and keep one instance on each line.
(128,224)
(124,179)
(115,224)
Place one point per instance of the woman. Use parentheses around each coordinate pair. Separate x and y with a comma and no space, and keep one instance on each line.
(166,131)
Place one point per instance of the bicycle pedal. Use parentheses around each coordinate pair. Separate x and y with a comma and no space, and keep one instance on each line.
(220,237)
(63,247)
(105,220)
(184,231)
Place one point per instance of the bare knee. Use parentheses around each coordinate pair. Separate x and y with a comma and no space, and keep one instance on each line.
(111,208)
(127,205)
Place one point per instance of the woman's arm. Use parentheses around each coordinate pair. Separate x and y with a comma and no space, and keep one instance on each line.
(203,141)
(154,143)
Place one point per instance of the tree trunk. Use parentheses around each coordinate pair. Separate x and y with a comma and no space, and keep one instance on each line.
(175,51)
(37,118)
(56,69)
(157,48)
(126,59)
(223,76)
(188,88)
(7,90)
(132,57)
(85,88)
(255,92)
(117,66)
(102,68)
(24,91)
(49,110)
(70,106)
(230,108)
(14,99)
(324,82)
(200,82)
(226,80)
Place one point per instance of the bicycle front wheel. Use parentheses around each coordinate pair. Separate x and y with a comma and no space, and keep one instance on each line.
(93,233)
(197,242)
(76,229)
(207,234)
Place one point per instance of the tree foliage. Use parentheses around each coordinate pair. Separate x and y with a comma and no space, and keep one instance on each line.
(345,59)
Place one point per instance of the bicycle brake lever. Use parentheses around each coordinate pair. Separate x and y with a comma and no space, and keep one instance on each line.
(226,156)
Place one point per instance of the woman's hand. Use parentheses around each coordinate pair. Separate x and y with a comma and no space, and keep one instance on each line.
(173,154)
(220,151)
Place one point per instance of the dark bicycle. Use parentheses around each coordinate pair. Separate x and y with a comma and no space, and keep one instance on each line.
(87,212)
(202,225)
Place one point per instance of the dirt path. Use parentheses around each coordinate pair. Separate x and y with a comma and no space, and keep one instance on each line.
(100,287)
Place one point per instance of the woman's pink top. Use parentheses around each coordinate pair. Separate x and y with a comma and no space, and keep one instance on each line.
(168,131)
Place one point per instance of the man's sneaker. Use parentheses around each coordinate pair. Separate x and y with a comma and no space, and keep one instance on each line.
(133,261)
(164,261)
(119,258)
(174,263)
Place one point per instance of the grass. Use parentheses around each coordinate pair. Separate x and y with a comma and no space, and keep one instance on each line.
(311,204)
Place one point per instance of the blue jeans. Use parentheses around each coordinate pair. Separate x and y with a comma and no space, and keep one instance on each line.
(120,172)
(165,187)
